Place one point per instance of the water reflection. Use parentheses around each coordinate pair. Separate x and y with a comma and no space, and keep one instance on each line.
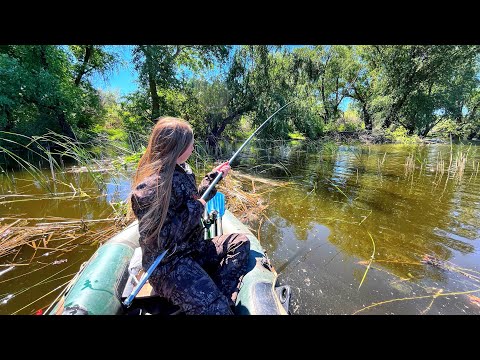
(352,191)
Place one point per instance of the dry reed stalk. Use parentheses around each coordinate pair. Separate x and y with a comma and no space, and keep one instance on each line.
(415,298)
(372,257)
(81,221)
(41,236)
(409,165)
(33,219)
(460,163)
(247,205)
(439,169)
(259,179)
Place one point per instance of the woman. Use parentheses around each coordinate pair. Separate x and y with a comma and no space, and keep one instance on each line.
(200,276)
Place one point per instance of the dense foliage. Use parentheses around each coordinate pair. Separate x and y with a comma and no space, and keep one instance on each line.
(225,91)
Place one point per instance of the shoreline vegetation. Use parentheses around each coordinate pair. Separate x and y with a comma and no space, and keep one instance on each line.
(381,92)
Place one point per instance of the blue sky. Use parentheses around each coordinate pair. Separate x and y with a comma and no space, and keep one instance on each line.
(124,79)
(123,82)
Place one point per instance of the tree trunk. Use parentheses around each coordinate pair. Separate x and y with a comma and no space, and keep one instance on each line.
(217,131)
(212,139)
(388,121)
(325,105)
(83,68)
(392,116)
(65,126)
(410,129)
(10,122)
(152,84)
(155,99)
(367,119)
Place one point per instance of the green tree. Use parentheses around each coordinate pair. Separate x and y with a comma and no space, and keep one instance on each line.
(158,67)
(42,88)
(417,85)
(330,74)
(363,86)
(90,59)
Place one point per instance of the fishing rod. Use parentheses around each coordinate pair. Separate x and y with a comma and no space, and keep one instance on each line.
(143,280)
(220,174)
(138,287)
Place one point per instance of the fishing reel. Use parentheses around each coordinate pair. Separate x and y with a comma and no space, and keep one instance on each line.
(212,224)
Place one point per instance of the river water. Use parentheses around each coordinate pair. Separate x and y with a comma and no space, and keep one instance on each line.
(357,229)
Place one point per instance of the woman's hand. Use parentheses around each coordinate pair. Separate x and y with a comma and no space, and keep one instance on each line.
(210,177)
(223,168)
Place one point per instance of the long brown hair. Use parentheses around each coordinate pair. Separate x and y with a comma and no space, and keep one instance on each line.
(169,139)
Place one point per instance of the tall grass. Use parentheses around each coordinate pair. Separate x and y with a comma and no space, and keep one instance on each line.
(56,151)
(457,158)
(34,171)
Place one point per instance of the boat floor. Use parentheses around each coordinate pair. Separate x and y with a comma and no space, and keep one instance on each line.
(153,305)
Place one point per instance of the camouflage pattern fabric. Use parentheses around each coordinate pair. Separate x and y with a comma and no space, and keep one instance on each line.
(201,276)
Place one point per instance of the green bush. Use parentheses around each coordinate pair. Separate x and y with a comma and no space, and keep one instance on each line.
(445,128)
(399,135)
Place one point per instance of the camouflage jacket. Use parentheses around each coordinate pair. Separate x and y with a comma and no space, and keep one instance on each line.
(182,226)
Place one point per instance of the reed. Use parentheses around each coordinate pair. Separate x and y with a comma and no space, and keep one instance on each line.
(409,165)
(439,169)
(329,149)
(460,163)
(249,206)
(380,164)
(48,236)
(415,298)
(34,171)
(372,257)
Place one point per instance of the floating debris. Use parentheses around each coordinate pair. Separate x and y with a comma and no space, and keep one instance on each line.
(56,262)
(245,195)
(432,260)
